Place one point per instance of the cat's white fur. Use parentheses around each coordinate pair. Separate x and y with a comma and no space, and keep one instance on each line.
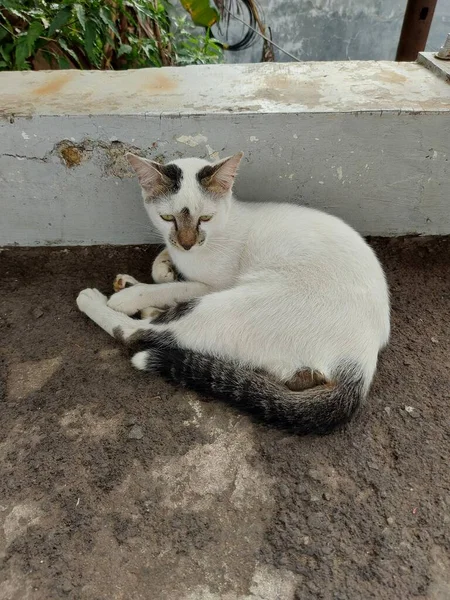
(283,287)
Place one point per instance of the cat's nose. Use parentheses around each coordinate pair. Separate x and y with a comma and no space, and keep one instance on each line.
(187,237)
(186,246)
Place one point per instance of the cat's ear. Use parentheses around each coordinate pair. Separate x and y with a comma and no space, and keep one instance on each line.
(219,177)
(155,179)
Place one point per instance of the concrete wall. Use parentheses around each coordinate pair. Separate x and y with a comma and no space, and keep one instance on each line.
(338,29)
(367,141)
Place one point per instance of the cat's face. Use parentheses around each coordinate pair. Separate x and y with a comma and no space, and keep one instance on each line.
(188,199)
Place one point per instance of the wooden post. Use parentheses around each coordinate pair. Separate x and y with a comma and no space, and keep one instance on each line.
(415,29)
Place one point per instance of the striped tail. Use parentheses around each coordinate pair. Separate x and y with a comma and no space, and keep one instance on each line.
(318,410)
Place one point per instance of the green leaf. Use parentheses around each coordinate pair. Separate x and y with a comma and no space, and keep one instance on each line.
(62,42)
(25,44)
(63,63)
(60,19)
(21,55)
(202,13)
(3,33)
(81,16)
(105,16)
(89,38)
(124,49)
(4,53)
(33,33)
(3,64)
(10,5)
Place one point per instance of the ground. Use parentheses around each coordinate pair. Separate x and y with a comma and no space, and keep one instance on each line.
(117,486)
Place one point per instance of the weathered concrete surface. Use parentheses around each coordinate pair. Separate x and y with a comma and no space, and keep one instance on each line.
(338,29)
(204,504)
(312,87)
(439,67)
(367,141)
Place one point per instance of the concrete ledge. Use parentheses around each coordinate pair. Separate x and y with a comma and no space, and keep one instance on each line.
(367,141)
(258,88)
(439,67)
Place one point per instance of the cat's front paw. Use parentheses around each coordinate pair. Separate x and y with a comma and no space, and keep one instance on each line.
(88,297)
(123,281)
(129,300)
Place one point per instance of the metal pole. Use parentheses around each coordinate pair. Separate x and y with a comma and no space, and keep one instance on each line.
(416,26)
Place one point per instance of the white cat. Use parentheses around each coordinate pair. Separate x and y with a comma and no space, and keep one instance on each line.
(283,309)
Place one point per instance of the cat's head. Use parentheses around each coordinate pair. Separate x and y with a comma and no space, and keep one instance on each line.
(188,199)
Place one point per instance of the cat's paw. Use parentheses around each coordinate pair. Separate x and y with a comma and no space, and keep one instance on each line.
(162,271)
(128,300)
(123,281)
(88,297)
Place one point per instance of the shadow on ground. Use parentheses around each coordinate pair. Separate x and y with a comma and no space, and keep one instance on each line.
(114,485)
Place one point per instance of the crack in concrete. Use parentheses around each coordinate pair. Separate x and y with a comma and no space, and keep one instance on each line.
(24,157)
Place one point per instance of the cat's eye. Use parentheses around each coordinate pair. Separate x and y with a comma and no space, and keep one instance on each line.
(205,218)
(167,217)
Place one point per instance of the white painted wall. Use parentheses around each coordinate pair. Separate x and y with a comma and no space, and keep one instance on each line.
(369,142)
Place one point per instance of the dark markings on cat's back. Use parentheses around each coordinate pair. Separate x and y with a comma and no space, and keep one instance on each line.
(175,312)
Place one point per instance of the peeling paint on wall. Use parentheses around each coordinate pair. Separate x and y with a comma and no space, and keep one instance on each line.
(192,140)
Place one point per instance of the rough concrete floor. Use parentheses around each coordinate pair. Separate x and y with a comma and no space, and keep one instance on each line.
(114,485)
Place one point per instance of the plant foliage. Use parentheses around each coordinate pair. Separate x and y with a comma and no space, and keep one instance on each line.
(100,34)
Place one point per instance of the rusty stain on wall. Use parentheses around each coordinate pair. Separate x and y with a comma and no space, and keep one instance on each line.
(53,86)
(71,154)
(391,77)
(159,84)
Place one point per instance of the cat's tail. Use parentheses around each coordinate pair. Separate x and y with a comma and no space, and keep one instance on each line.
(317,410)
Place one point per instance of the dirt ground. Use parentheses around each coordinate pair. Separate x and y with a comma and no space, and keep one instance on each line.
(115,485)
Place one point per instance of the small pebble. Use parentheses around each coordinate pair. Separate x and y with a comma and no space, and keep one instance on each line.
(136,433)
(387,410)
(407,361)
(37,312)
(409,409)
(390,521)
(327,496)
(66,586)
(284,490)
(314,474)
(435,340)
(131,421)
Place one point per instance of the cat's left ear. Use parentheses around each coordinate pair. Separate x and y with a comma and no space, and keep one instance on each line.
(219,177)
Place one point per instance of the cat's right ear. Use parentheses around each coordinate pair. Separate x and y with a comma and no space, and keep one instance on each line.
(151,176)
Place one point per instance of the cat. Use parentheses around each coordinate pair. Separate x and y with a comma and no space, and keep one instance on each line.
(282,310)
